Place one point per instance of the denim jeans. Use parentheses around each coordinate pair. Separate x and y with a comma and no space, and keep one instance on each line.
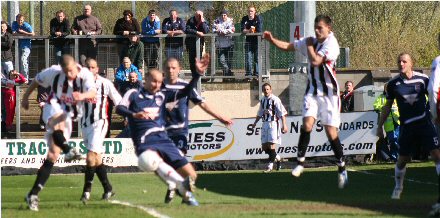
(24,61)
(225,56)
(60,51)
(251,58)
(175,52)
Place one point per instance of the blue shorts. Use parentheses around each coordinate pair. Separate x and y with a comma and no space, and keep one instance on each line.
(181,142)
(166,149)
(412,135)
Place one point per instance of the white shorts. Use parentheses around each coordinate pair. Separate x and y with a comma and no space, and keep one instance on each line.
(51,109)
(67,131)
(271,132)
(324,108)
(94,136)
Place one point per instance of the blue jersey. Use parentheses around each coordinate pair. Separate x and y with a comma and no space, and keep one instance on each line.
(177,112)
(410,95)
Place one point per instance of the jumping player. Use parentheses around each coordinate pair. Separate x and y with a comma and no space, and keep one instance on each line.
(321,100)
(94,128)
(156,152)
(70,85)
(409,89)
(177,113)
(271,111)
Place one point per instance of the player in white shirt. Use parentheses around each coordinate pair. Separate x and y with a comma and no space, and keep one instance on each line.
(321,100)
(94,128)
(70,85)
(270,112)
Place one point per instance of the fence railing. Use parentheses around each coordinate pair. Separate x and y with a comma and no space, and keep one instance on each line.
(108,58)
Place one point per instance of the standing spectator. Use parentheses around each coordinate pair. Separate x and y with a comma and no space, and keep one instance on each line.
(9,97)
(173,26)
(347,99)
(251,23)
(135,51)
(391,127)
(60,28)
(151,27)
(125,26)
(223,26)
(6,55)
(123,72)
(21,28)
(87,24)
(42,95)
(197,26)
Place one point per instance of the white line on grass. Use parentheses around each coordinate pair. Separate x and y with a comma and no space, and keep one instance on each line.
(148,210)
(409,180)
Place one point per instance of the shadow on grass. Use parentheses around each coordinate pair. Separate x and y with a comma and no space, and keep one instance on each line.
(367,191)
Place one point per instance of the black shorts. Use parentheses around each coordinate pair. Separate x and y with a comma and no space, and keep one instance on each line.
(181,142)
(421,133)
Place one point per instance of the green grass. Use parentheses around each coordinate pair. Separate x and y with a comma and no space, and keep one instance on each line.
(237,194)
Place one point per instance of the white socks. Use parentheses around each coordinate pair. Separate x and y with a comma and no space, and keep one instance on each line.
(399,176)
(170,176)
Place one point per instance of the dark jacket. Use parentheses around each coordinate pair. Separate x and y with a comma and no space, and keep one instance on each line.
(135,52)
(7,47)
(122,25)
(63,27)
(126,85)
(347,102)
(257,22)
(168,24)
(192,28)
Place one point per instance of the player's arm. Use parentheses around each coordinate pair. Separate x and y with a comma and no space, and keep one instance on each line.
(89,94)
(386,109)
(123,107)
(283,112)
(201,66)
(257,118)
(113,93)
(286,46)
(29,90)
(225,120)
(315,58)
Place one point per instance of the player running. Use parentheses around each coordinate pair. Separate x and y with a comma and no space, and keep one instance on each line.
(321,100)
(94,128)
(70,85)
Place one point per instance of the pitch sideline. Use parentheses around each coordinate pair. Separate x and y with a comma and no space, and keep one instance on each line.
(149,210)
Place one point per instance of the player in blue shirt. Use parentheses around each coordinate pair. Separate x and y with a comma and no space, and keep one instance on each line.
(177,113)
(156,152)
(409,89)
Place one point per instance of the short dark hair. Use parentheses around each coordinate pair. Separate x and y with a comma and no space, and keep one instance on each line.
(172,11)
(152,11)
(128,12)
(19,16)
(65,60)
(89,60)
(325,18)
(59,12)
(170,59)
(266,84)
(349,81)
(409,55)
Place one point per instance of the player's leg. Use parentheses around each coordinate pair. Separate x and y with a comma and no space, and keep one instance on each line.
(303,142)
(335,143)
(266,146)
(406,142)
(89,174)
(435,154)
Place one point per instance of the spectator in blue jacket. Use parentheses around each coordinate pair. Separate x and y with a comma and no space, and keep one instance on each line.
(123,72)
(151,27)
(198,27)
(21,28)
(173,26)
(251,23)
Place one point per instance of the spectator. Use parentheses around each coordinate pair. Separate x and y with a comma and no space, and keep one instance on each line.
(173,26)
(9,100)
(135,51)
(223,26)
(60,28)
(21,28)
(151,27)
(197,26)
(122,73)
(391,127)
(347,99)
(125,26)
(6,54)
(251,23)
(42,95)
(132,83)
(87,24)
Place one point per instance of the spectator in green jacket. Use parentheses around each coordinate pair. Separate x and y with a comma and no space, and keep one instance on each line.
(391,126)
(135,51)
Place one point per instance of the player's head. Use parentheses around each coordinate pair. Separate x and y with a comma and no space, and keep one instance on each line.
(132,77)
(153,80)
(405,62)
(349,86)
(323,27)
(266,88)
(92,65)
(69,66)
(172,69)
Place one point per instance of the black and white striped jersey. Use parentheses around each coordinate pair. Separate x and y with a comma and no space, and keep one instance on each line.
(271,109)
(322,79)
(97,108)
(62,88)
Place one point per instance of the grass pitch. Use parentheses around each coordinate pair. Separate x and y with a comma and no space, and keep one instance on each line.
(236,194)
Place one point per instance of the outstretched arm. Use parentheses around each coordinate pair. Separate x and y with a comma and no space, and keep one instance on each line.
(286,46)
(201,66)
(210,111)
(29,90)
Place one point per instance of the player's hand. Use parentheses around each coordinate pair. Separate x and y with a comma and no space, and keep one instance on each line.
(309,41)
(202,64)
(25,103)
(77,96)
(284,129)
(253,125)
(141,115)
(268,36)
(226,121)
(379,132)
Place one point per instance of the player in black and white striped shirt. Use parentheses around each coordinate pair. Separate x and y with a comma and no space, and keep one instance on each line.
(321,100)
(270,112)
(70,85)
(94,128)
